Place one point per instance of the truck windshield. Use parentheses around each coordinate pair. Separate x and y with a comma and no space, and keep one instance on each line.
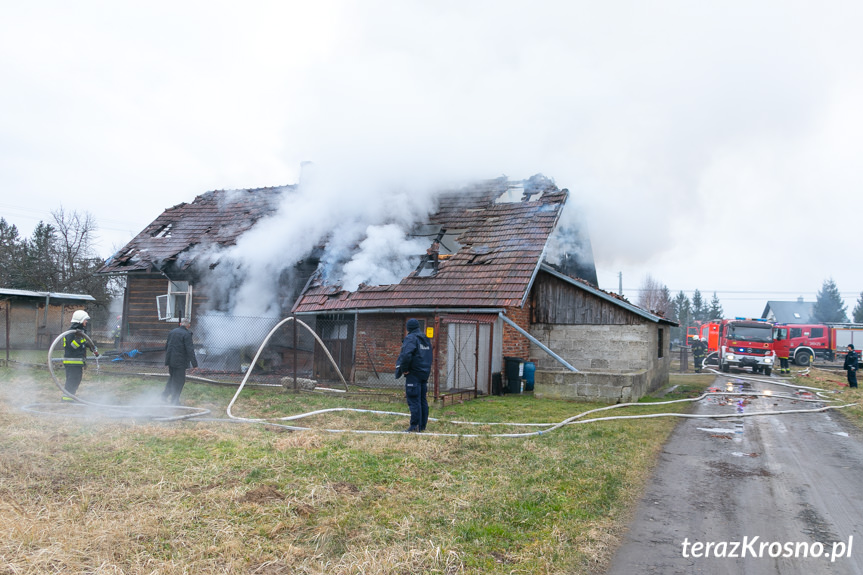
(751,333)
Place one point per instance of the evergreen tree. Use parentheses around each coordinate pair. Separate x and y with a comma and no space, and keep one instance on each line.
(699,310)
(58,257)
(828,304)
(11,249)
(682,314)
(40,271)
(858,310)
(715,310)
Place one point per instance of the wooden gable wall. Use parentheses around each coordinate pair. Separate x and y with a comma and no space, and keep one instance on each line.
(554,301)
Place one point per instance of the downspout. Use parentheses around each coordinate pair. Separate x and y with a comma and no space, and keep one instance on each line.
(537,342)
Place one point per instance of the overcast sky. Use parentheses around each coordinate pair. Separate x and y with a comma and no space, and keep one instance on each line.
(716,146)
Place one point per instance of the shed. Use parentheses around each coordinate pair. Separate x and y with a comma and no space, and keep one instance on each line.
(33,319)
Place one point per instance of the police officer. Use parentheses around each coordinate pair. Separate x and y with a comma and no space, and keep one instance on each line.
(699,346)
(415,362)
(75,348)
(851,365)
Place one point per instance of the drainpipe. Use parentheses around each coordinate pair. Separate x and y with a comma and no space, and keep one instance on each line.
(537,342)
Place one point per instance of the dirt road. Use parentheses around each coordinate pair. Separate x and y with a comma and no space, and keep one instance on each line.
(723,503)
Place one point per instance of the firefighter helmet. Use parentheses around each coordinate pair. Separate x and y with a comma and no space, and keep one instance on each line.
(80,316)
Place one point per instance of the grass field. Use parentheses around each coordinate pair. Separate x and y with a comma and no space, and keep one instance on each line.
(110,496)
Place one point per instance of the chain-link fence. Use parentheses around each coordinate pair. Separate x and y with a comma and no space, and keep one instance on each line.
(227,347)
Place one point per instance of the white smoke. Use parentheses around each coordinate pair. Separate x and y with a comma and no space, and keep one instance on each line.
(385,256)
(327,211)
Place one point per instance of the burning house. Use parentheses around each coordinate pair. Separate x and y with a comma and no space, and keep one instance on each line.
(485,292)
(489,269)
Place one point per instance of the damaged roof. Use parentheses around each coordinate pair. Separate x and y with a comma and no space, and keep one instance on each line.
(500,249)
(215,218)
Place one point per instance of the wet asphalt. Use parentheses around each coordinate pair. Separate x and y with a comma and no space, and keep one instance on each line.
(752,495)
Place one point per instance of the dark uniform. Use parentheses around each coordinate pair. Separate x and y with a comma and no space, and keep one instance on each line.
(851,365)
(179,355)
(75,346)
(415,362)
(698,350)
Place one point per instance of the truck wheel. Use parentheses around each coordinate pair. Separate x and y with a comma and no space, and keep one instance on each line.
(802,358)
(767,371)
(725,367)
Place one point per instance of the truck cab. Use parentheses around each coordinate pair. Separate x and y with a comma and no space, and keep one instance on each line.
(746,343)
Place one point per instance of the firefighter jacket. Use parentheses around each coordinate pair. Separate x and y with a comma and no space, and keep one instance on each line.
(179,351)
(415,357)
(75,346)
(851,361)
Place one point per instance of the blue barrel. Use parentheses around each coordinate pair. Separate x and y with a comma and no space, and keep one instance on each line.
(529,371)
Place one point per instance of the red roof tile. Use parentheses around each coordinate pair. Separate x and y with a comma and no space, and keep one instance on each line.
(501,248)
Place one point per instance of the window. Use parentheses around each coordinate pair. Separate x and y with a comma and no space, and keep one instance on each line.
(817,332)
(661,347)
(796,332)
(177,303)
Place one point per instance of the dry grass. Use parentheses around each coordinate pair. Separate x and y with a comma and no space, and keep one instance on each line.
(102,496)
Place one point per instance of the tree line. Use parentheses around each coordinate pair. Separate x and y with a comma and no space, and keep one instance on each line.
(656,297)
(58,257)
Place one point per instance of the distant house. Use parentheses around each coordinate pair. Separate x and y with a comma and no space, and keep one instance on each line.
(33,319)
(789,311)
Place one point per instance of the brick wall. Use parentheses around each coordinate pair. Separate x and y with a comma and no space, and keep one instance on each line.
(379,340)
(514,343)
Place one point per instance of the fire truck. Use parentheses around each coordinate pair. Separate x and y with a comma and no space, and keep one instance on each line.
(744,343)
(805,342)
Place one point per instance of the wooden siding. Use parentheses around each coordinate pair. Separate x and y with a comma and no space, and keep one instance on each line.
(557,302)
(141,315)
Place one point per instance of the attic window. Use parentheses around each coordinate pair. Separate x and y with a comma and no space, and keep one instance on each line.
(797,315)
(163,232)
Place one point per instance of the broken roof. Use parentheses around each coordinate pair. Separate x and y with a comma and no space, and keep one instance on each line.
(214,218)
(504,228)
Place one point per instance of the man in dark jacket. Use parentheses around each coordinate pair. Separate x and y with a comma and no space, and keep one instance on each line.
(415,362)
(179,354)
(851,365)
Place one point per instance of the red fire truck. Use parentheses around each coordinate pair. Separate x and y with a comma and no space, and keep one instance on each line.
(745,343)
(805,342)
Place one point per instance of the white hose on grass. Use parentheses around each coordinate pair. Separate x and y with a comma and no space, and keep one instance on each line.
(153,411)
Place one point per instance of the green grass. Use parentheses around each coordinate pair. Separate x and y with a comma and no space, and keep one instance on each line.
(132,496)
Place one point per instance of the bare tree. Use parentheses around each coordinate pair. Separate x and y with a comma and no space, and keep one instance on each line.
(75,235)
(654,296)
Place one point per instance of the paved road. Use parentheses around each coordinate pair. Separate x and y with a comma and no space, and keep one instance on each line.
(789,480)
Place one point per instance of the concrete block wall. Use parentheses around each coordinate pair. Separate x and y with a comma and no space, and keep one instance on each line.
(608,387)
(616,363)
(587,347)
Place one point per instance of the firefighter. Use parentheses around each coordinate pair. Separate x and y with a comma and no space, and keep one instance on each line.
(415,362)
(784,368)
(699,346)
(75,347)
(851,365)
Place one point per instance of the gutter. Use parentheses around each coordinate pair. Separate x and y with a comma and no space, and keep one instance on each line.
(416,310)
